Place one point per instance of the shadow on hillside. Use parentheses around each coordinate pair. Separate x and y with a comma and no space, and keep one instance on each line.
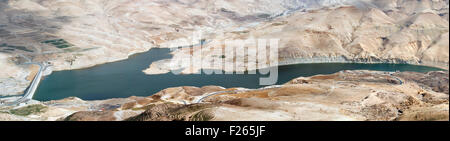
(22,31)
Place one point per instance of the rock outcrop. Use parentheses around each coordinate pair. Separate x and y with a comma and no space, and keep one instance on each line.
(387,31)
(347,95)
(74,34)
(12,77)
(79,34)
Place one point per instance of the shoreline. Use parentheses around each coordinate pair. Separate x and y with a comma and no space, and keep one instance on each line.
(386,89)
(287,62)
(346,61)
(162,69)
(107,62)
(283,63)
(247,89)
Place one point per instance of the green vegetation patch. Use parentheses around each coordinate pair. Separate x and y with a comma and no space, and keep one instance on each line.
(279,23)
(73,49)
(23,48)
(59,43)
(4,112)
(263,15)
(28,110)
(89,49)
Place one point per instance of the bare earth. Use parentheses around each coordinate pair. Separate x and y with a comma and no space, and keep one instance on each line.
(387,31)
(74,34)
(347,95)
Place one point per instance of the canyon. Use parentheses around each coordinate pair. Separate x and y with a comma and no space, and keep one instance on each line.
(411,32)
(343,96)
(79,34)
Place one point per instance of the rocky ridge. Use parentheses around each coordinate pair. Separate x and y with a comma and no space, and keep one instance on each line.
(346,95)
(79,34)
(386,31)
(75,34)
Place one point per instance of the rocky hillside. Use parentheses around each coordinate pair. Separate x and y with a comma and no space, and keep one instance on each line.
(378,31)
(346,95)
(74,34)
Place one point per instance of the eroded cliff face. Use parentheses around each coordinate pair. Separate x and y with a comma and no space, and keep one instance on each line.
(379,31)
(77,34)
(74,34)
(347,95)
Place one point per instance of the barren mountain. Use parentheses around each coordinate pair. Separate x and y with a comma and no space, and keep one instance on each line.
(346,95)
(379,31)
(74,34)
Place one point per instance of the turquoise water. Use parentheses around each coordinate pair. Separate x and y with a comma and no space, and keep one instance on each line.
(125,78)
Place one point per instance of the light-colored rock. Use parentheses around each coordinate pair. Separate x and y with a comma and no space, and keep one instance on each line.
(12,77)
(347,95)
(343,33)
(101,31)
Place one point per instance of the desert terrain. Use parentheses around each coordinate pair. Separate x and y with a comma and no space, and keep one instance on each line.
(343,96)
(77,34)
(386,31)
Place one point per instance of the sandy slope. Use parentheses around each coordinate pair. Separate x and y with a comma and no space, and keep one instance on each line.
(388,31)
(100,31)
(347,95)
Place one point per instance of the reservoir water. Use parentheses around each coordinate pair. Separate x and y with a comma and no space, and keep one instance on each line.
(125,78)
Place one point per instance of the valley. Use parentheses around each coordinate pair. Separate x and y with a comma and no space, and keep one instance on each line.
(112,60)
